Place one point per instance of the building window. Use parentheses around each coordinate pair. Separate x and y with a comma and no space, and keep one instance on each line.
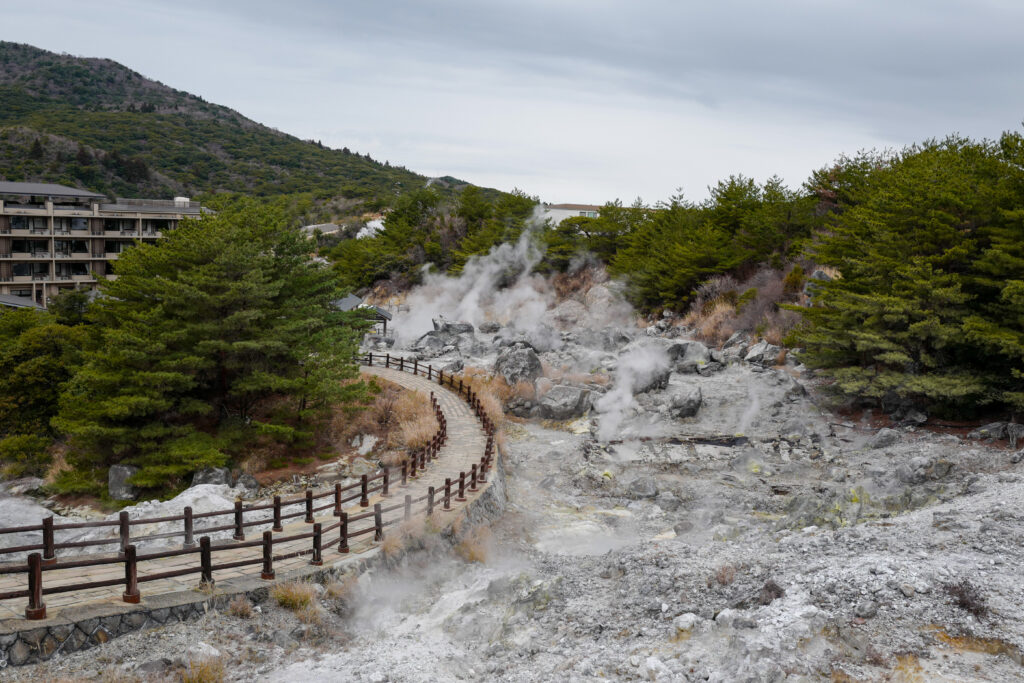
(22,292)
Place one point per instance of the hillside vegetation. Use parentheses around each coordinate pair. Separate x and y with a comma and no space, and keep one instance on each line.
(95,123)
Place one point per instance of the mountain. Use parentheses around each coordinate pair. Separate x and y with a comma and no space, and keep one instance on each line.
(95,123)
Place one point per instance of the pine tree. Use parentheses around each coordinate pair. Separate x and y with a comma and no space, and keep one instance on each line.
(200,333)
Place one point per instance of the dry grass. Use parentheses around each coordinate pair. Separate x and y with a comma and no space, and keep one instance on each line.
(725,575)
(293,595)
(475,547)
(417,433)
(343,588)
(110,675)
(524,389)
(204,671)
(311,615)
(240,607)
(392,544)
(500,440)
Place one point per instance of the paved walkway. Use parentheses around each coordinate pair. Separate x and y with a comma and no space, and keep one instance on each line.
(465,446)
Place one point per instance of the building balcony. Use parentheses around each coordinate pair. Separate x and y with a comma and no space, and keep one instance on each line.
(40,277)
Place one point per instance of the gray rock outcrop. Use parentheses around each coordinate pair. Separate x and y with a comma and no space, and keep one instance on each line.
(762,353)
(686,403)
(117,482)
(212,475)
(884,438)
(452,327)
(518,363)
(564,402)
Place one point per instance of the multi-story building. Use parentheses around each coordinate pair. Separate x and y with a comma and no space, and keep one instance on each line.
(54,237)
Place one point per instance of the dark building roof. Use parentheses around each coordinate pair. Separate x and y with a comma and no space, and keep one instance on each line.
(10,301)
(45,190)
(352,302)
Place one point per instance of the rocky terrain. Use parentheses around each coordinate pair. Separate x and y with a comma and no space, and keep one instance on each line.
(677,513)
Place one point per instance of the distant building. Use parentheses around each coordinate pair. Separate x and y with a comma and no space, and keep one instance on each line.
(54,237)
(559,212)
(352,302)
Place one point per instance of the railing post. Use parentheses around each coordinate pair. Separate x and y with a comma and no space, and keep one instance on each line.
(401,364)
(430,373)
(131,576)
(440,377)
(239,534)
(408,507)
(36,607)
(205,563)
(447,493)
(124,530)
(277,515)
(462,488)
(343,533)
(430,501)
(268,556)
(384,488)
(309,506)
(49,551)
(317,545)
(378,523)
(460,385)
(416,366)
(364,499)
(387,360)
(370,357)
(481,473)
(405,472)
(472,477)
(190,540)
(337,500)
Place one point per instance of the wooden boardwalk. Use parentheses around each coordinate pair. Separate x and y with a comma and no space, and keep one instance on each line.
(465,445)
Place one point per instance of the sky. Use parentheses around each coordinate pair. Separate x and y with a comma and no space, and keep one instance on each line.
(572,100)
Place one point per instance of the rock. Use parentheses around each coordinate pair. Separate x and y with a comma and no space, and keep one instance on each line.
(1015,433)
(368,442)
(563,402)
(686,622)
(686,403)
(489,327)
(451,327)
(762,353)
(736,345)
(643,487)
(689,355)
(993,430)
(915,417)
(518,363)
(155,667)
(220,476)
(667,501)
(652,381)
(117,482)
(247,483)
(19,487)
(568,314)
(431,344)
(865,609)
(907,590)
(884,438)
(654,670)
(201,651)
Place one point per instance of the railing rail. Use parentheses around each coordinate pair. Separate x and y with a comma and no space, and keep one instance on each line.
(38,563)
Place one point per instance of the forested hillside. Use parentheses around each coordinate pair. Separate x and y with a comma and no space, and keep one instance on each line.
(95,123)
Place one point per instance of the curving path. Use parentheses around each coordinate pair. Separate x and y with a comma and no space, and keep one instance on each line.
(465,445)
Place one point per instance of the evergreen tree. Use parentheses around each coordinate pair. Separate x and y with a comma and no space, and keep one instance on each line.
(201,334)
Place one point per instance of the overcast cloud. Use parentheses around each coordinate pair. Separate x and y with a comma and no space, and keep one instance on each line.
(575,101)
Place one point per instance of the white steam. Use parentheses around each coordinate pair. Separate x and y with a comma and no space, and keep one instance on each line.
(637,368)
(477,294)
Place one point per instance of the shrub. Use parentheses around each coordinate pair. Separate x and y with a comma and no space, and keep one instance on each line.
(475,546)
(204,671)
(793,283)
(24,455)
(967,597)
(293,595)
(240,607)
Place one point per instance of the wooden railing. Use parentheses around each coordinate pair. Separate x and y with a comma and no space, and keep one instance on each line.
(343,530)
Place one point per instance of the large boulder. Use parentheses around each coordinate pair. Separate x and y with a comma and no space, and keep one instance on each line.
(884,438)
(431,344)
(564,402)
(689,355)
(568,315)
(993,430)
(212,475)
(452,327)
(117,482)
(762,353)
(489,327)
(686,403)
(654,380)
(518,363)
